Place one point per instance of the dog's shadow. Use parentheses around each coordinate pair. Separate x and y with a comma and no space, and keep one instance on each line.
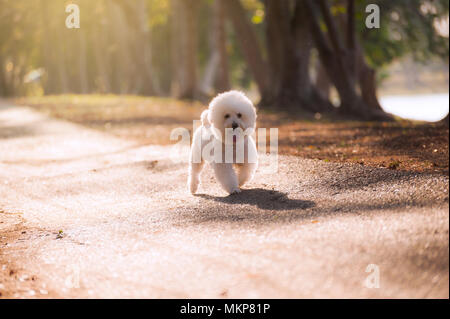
(263,199)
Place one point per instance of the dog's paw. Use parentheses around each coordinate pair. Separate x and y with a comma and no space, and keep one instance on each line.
(192,186)
(235,191)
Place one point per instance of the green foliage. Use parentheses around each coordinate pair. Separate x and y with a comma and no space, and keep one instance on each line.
(407,27)
(159,12)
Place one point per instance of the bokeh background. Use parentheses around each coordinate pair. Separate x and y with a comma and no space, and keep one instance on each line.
(285,54)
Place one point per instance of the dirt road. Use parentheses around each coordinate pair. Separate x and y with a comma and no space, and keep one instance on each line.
(84,214)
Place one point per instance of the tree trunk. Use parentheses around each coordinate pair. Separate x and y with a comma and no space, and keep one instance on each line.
(335,59)
(278,34)
(143,52)
(184,49)
(351,39)
(322,81)
(250,48)
(124,69)
(82,59)
(102,59)
(289,47)
(51,83)
(216,74)
(4,91)
(367,80)
(309,95)
(139,47)
(220,46)
(175,47)
(365,76)
(61,62)
(210,74)
(368,85)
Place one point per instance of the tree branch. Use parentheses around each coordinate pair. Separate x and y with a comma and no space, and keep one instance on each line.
(331,26)
(249,43)
(351,24)
(313,17)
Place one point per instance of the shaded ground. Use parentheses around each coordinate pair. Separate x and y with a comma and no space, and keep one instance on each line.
(402,145)
(84,213)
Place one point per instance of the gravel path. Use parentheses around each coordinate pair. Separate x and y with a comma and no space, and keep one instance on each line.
(130,228)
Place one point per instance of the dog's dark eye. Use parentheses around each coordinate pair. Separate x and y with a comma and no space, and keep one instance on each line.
(227,116)
(239,115)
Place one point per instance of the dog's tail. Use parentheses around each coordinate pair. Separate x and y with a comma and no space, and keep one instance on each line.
(204,118)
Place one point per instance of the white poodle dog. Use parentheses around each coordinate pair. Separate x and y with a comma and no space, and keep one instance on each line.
(224,140)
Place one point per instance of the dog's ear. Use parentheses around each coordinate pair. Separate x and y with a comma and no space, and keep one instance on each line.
(210,117)
(205,118)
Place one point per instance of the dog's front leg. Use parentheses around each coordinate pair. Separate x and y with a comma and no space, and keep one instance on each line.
(246,172)
(227,177)
(195,161)
(194,176)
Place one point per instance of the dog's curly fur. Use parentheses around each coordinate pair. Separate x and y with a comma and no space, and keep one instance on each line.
(228,112)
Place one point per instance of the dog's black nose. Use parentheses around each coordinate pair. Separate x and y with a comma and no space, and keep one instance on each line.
(234,125)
